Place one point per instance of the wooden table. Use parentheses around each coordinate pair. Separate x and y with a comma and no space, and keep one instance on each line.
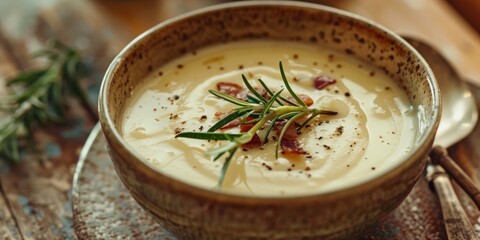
(35,200)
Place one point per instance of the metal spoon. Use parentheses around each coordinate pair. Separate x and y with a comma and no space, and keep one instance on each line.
(459,117)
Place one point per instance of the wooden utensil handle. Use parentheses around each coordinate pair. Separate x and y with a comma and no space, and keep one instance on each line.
(457,224)
(439,155)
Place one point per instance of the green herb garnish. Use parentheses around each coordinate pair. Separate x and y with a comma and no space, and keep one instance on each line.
(37,97)
(265,112)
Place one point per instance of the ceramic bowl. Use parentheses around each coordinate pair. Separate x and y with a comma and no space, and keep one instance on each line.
(193,213)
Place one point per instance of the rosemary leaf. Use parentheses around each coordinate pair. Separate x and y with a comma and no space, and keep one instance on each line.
(284,129)
(252,99)
(229,98)
(270,103)
(288,101)
(38,97)
(290,90)
(218,152)
(247,115)
(225,120)
(288,115)
(327,112)
(225,166)
(255,120)
(270,128)
(310,118)
(208,135)
(313,115)
(269,91)
(26,77)
(252,90)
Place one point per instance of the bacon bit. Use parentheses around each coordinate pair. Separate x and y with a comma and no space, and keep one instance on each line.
(290,133)
(291,146)
(304,97)
(321,82)
(290,143)
(262,92)
(254,143)
(238,91)
(234,123)
(232,89)
(248,126)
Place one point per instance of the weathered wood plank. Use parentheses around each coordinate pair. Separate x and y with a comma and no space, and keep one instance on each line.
(38,187)
(8,226)
(36,190)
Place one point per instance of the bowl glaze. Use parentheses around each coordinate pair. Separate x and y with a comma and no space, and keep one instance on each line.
(193,213)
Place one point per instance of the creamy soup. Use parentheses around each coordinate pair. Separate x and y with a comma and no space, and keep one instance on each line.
(374,128)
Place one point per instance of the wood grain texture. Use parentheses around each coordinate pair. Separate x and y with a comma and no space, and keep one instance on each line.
(457,223)
(440,156)
(8,226)
(37,188)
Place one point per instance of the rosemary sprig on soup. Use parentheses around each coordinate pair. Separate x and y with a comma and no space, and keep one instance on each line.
(258,114)
(231,116)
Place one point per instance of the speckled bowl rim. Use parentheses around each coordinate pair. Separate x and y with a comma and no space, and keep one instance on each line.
(350,190)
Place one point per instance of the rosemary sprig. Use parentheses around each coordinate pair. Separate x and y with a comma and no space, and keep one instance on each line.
(267,111)
(36,97)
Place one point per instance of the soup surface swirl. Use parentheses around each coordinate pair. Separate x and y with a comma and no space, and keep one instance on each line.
(373,130)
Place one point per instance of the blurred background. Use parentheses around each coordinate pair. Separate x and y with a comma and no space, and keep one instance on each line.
(89,25)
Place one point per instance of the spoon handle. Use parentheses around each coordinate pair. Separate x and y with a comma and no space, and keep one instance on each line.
(439,155)
(457,224)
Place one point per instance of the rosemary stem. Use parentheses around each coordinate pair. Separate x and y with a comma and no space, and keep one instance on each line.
(287,109)
(247,137)
(262,122)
